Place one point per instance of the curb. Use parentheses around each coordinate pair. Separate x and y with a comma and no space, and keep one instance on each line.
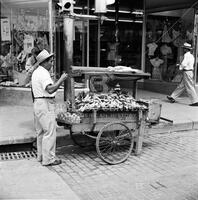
(63,136)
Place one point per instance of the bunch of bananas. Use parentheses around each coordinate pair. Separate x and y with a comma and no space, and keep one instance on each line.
(115,101)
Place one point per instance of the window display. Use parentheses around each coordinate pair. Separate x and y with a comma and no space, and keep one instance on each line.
(164,37)
(25,27)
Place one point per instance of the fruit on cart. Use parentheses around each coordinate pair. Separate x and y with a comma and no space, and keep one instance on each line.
(68,117)
(114,101)
(62,107)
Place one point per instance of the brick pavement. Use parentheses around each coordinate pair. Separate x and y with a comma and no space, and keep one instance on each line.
(167,169)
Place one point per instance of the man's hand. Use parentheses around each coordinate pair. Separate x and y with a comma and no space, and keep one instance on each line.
(63,77)
(51,88)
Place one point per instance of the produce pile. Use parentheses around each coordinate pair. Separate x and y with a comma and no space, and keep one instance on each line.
(64,113)
(115,101)
(68,117)
(87,102)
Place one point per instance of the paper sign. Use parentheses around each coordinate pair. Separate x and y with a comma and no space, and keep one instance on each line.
(28,43)
(5,30)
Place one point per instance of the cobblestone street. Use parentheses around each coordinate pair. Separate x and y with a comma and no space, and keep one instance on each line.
(167,169)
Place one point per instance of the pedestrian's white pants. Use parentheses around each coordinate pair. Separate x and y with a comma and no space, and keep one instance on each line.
(45,126)
(187,83)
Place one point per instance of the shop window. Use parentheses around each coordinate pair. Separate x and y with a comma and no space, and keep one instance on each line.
(166,33)
(127,51)
(24,28)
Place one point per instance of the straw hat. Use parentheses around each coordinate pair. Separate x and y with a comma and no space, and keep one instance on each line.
(42,56)
(187,46)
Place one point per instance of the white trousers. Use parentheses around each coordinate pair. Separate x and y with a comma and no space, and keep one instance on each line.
(187,84)
(45,126)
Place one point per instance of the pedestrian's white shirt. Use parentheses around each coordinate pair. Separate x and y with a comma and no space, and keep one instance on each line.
(40,80)
(188,61)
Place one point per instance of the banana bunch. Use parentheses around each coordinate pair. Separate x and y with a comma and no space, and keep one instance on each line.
(115,101)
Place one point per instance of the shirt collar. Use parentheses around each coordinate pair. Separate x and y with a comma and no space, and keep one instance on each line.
(43,68)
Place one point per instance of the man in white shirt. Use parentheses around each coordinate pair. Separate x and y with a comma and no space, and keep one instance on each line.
(44,90)
(187,83)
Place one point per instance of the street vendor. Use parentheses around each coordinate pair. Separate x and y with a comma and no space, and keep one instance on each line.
(44,90)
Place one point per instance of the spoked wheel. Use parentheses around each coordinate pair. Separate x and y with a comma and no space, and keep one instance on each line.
(82,140)
(114,143)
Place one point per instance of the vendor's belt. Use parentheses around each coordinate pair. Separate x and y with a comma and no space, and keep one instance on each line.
(44,97)
(186,70)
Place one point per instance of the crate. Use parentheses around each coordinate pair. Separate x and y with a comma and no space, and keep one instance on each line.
(154,110)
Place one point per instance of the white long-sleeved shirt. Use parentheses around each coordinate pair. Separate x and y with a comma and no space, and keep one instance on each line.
(188,62)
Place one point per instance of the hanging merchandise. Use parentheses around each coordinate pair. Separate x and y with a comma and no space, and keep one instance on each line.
(189,35)
(156,63)
(176,38)
(151,48)
(165,37)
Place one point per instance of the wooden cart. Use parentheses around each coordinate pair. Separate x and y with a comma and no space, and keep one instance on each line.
(113,132)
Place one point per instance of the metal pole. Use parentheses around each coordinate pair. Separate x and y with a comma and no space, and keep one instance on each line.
(98,51)
(68,22)
(83,41)
(195,46)
(143,38)
(51,31)
(50,25)
(87,34)
(117,3)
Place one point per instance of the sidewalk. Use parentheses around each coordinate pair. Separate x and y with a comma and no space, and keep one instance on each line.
(16,122)
(28,179)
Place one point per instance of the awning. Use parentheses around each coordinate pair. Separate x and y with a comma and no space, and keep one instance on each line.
(165,5)
(150,5)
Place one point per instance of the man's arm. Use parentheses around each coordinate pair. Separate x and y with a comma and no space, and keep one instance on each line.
(183,63)
(51,88)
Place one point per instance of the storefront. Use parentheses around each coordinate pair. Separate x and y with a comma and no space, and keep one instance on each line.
(151,42)
(168,25)
(29,24)
(24,25)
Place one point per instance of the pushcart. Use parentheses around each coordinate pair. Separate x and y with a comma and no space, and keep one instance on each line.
(115,133)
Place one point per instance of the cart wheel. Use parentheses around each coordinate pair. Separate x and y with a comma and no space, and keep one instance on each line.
(82,140)
(114,143)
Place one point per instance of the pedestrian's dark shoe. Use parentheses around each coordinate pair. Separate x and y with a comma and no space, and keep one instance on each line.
(171,99)
(194,104)
(56,162)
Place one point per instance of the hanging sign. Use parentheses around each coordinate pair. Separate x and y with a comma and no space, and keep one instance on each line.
(5,30)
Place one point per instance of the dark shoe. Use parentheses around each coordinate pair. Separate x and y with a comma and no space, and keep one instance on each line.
(194,104)
(171,99)
(56,162)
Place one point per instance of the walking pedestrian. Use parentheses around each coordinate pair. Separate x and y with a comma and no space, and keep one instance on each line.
(187,82)
(44,90)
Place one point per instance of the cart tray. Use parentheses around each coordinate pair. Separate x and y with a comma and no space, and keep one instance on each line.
(102,118)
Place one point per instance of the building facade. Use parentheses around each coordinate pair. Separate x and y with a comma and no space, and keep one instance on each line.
(145,35)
